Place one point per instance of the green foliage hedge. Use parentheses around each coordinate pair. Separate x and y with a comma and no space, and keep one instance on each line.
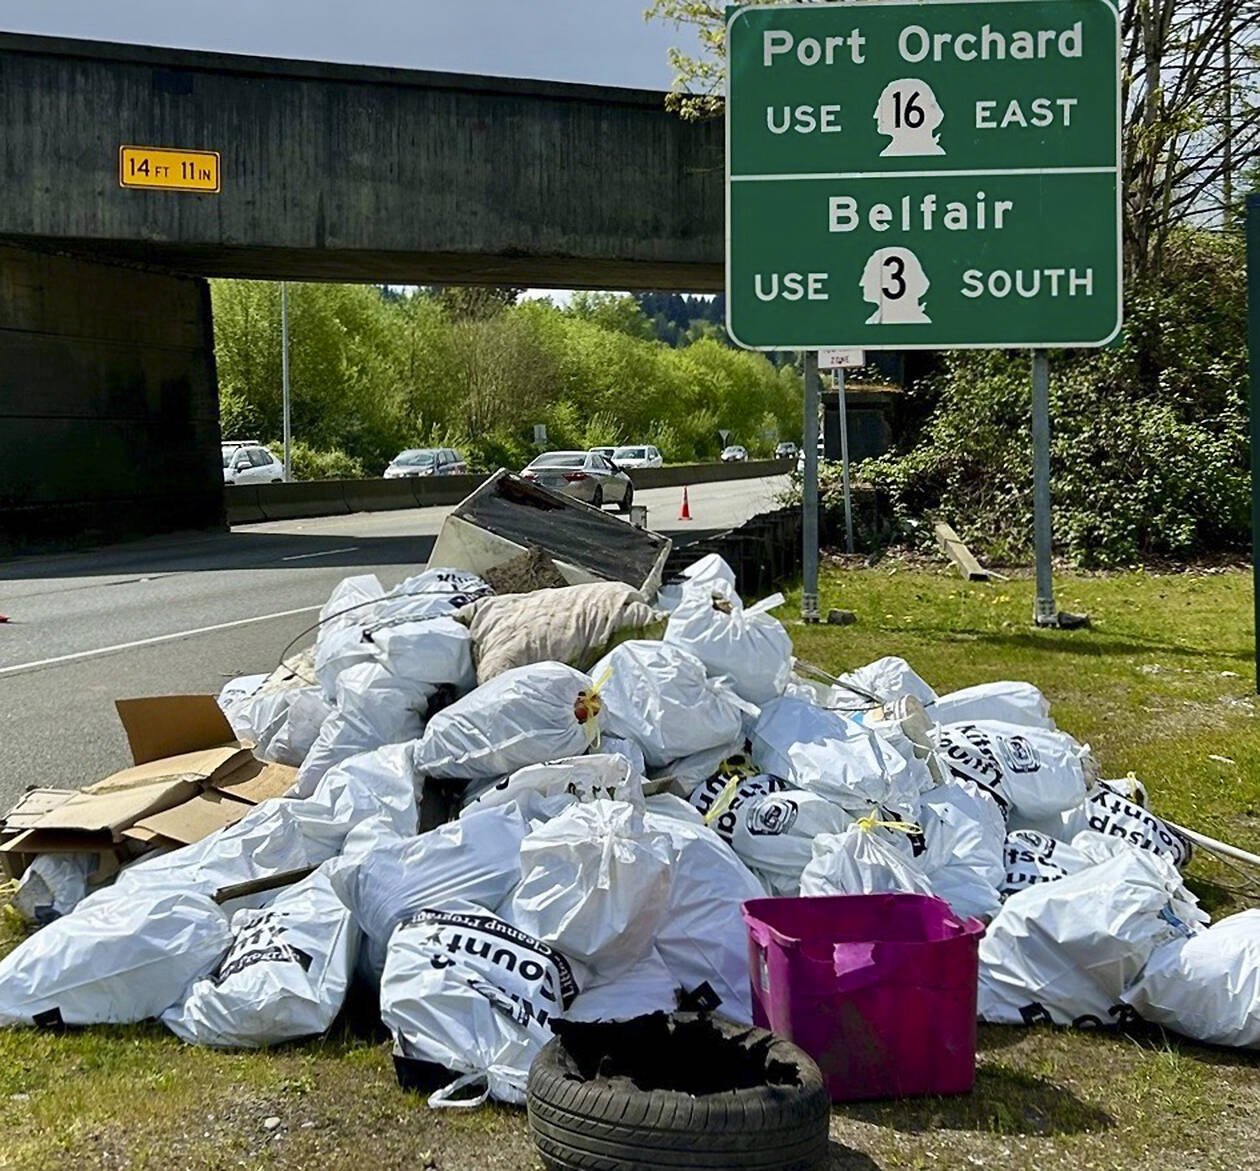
(374,373)
(1149,445)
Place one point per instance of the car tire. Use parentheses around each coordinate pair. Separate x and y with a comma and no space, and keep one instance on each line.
(597,501)
(627,499)
(607,1123)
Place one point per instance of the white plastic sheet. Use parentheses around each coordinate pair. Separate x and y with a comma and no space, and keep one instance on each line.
(702,937)
(774,835)
(837,758)
(117,962)
(659,696)
(746,645)
(1064,952)
(1033,773)
(1206,987)
(859,861)
(284,977)
(469,992)
(524,716)
(595,882)
(475,860)
(1007,701)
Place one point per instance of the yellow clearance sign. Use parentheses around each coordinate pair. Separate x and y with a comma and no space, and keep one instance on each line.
(169,170)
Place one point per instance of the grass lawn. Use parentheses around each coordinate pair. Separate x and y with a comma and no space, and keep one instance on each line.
(1160,685)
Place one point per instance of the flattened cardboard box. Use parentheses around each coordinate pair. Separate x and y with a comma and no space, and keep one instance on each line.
(190,777)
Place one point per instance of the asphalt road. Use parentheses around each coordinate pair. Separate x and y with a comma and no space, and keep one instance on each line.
(183,615)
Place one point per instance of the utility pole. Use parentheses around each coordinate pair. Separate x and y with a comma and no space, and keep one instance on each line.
(1044,613)
(844,458)
(809,519)
(284,376)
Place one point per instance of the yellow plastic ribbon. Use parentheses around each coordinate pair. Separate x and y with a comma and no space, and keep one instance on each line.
(594,705)
(873,821)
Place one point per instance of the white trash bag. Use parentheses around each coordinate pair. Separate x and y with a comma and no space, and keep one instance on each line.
(621,746)
(859,861)
(688,772)
(1065,952)
(546,790)
(702,937)
(284,977)
(595,883)
(1032,858)
(1006,701)
(822,751)
(1107,812)
(709,570)
(116,962)
(291,741)
(719,799)
(746,645)
(1032,773)
(659,696)
(474,860)
(888,679)
(964,836)
(774,835)
(646,988)
(525,716)
(53,885)
(1206,987)
(467,992)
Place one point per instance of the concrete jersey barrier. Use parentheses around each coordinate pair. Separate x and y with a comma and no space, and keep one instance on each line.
(251,503)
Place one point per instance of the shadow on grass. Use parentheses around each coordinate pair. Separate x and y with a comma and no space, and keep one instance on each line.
(1084,643)
(1154,1039)
(842,1158)
(1004,1101)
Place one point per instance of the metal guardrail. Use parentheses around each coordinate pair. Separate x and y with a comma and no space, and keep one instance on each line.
(253,503)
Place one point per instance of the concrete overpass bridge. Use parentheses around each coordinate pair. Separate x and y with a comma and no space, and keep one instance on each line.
(108,395)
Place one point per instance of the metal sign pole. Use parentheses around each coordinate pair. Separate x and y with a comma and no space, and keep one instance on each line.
(809,520)
(1253,342)
(284,376)
(844,456)
(1044,613)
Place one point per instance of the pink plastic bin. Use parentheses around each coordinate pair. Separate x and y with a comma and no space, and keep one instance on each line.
(879,989)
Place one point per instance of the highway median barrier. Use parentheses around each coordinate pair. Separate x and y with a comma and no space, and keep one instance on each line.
(297,501)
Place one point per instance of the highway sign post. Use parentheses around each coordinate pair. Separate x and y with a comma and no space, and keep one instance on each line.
(903,175)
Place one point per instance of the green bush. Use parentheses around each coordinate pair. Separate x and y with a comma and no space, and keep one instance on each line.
(1149,443)
(310,464)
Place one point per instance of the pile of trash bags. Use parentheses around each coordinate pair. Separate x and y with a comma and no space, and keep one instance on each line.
(499,822)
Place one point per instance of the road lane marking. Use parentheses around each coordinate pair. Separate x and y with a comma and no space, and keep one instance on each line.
(126,646)
(323,553)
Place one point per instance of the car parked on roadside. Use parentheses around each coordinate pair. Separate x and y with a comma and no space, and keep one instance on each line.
(642,455)
(584,475)
(246,461)
(426,461)
(785,450)
(734,454)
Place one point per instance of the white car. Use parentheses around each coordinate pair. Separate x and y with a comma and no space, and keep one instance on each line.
(785,450)
(734,454)
(643,456)
(585,475)
(246,461)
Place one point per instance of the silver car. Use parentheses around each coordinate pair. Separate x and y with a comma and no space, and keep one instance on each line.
(584,475)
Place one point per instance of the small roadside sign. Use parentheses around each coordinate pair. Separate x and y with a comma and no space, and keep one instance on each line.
(540,434)
(841,359)
(725,434)
(911,176)
(170,170)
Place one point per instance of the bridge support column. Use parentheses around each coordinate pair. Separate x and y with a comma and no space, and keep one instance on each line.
(109,415)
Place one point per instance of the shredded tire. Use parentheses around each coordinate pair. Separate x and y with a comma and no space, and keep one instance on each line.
(610,1122)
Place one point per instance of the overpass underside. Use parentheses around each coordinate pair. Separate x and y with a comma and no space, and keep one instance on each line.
(108,397)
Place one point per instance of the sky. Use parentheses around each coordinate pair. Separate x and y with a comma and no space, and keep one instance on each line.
(604,42)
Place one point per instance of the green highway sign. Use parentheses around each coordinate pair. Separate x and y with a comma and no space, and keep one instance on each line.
(910,175)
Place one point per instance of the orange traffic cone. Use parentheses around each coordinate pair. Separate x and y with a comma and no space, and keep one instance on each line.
(685,511)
